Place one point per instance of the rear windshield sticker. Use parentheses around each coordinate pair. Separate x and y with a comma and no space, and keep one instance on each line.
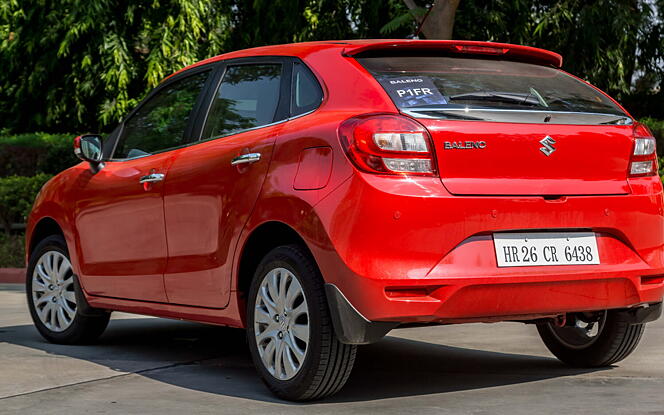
(410,91)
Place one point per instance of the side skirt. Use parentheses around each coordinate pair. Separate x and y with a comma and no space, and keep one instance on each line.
(229,316)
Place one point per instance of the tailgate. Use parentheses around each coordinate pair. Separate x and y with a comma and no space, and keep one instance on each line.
(486,158)
(511,128)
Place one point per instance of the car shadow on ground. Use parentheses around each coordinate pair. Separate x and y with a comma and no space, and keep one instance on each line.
(216,360)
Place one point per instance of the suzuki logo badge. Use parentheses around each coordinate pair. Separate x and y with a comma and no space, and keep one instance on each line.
(548,143)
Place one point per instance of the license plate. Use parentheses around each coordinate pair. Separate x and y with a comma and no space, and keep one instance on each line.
(545,248)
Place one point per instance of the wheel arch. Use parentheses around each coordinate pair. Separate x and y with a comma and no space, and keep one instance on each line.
(45,227)
(260,241)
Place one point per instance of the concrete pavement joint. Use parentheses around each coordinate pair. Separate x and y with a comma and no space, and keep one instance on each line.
(138,372)
(583,376)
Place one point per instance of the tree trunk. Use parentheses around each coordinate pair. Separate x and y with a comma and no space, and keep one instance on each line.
(439,23)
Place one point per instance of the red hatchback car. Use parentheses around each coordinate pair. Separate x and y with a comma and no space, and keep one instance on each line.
(321,194)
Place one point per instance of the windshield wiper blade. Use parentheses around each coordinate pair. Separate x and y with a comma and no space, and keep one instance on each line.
(523,99)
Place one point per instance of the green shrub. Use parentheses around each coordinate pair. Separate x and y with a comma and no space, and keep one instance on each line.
(17,195)
(33,153)
(12,251)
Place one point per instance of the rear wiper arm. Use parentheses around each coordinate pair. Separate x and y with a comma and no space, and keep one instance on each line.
(618,121)
(442,113)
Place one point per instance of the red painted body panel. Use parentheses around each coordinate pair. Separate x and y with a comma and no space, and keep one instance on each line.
(353,47)
(119,229)
(371,235)
(206,203)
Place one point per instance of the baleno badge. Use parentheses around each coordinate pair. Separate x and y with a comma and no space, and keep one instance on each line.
(548,143)
(464,145)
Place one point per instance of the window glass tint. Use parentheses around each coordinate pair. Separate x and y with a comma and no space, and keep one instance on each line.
(160,123)
(492,90)
(307,94)
(247,97)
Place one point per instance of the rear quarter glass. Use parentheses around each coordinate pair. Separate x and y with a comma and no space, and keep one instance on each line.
(490,90)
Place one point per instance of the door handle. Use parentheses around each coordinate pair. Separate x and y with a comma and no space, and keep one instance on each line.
(152,178)
(246,158)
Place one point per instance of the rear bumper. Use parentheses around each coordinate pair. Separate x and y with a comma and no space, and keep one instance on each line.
(408,251)
(352,327)
(487,299)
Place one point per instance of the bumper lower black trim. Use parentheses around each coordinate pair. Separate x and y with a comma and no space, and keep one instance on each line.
(640,315)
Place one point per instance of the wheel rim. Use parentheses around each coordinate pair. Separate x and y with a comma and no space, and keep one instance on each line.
(53,293)
(281,323)
(581,332)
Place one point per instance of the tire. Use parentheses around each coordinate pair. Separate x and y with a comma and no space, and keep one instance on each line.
(327,363)
(57,304)
(616,339)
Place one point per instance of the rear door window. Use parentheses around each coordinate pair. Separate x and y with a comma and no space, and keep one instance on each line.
(490,90)
(247,97)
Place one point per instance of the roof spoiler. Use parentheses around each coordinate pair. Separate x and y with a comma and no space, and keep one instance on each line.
(499,50)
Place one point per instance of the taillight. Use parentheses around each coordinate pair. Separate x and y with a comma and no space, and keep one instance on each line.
(644,156)
(388,144)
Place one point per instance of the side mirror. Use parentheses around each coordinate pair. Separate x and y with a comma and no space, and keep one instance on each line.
(89,148)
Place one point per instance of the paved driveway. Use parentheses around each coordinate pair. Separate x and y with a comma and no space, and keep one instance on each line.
(152,366)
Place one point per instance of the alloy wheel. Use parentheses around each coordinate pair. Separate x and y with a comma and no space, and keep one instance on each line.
(281,323)
(53,292)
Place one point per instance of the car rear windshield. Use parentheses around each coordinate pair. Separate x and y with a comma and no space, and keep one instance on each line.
(490,90)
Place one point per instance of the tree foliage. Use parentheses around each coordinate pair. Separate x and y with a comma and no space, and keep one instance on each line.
(73,62)
(79,65)
(607,42)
